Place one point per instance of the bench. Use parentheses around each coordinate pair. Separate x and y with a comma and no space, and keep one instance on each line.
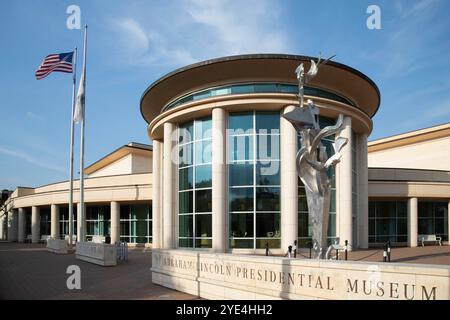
(74,238)
(44,238)
(430,238)
(98,239)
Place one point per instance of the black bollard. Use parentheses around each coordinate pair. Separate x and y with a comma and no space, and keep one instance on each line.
(346,250)
(267,249)
(389,251)
(295,248)
(385,253)
(310,250)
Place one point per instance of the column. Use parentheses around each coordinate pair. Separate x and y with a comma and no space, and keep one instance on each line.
(363,193)
(219,181)
(168,188)
(412,222)
(289,182)
(12,225)
(54,223)
(115,222)
(35,224)
(344,213)
(22,225)
(81,223)
(156,198)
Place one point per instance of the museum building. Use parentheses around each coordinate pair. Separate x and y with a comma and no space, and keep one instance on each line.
(221,172)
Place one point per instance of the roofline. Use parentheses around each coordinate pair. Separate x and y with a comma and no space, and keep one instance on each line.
(411,131)
(150,149)
(407,136)
(257,56)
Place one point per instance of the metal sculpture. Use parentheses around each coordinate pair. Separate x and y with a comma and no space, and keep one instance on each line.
(313,162)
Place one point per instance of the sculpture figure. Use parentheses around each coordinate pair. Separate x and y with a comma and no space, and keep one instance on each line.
(313,161)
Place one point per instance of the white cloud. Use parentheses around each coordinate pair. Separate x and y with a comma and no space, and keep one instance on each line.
(33,116)
(417,8)
(136,37)
(240,26)
(147,48)
(197,29)
(30,159)
(411,41)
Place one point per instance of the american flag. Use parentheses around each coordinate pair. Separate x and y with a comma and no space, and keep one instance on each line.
(55,62)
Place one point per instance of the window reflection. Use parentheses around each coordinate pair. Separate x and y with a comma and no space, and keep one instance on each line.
(195,182)
(248,170)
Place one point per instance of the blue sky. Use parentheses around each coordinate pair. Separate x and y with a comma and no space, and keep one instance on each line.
(132,43)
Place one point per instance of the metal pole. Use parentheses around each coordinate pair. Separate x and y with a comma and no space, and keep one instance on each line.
(81,214)
(71,148)
(310,250)
(385,253)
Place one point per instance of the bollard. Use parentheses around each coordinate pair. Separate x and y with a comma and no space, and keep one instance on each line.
(385,253)
(337,254)
(267,249)
(346,250)
(389,251)
(295,248)
(310,250)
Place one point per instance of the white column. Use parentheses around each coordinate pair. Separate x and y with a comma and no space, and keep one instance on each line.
(344,213)
(12,225)
(156,198)
(54,212)
(22,225)
(81,222)
(363,193)
(289,182)
(219,181)
(412,222)
(115,222)
(168,188)
(35,224)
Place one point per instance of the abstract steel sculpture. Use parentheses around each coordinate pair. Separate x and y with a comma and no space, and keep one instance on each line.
(313,161)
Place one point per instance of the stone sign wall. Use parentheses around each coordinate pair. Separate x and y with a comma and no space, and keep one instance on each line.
(231,276)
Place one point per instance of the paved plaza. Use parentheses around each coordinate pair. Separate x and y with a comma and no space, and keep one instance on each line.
(28,271)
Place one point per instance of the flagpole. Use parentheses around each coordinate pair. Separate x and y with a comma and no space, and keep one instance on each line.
(82,211)
(71,148)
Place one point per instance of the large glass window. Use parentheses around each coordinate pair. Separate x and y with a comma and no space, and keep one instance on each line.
(388,222)
(195,183)
(260,87)
(433,219)
(98,220)
(136,223)
(254,179)
(45,222)
(304,228)
(64,221)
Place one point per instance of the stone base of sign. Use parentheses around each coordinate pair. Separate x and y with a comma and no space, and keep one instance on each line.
(57,246)
(238,277)
(97,253)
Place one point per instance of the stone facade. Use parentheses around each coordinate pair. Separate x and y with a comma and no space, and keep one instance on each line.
(231,276)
